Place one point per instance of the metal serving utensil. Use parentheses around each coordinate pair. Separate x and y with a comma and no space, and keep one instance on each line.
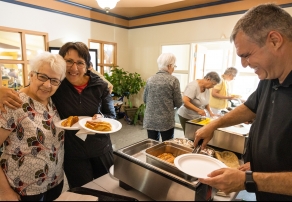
(197,149)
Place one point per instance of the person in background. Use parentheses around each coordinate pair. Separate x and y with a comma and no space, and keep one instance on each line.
(220,93)
(263,40)
(196,98)
(110,86)
(13,73)
(33,152)
(81,93)
(161,96)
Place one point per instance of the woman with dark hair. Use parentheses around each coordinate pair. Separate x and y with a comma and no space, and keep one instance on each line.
(83,93)
(196,98)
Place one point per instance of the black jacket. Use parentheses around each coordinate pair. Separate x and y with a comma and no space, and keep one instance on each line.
(93,99)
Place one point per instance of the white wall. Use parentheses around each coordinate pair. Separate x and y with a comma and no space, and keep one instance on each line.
(138,49)
(62,29)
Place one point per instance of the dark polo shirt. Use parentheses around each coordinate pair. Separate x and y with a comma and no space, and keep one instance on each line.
(270,139)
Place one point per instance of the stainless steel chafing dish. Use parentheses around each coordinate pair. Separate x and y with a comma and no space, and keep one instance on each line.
(168,147)
(233,138)
(136,166)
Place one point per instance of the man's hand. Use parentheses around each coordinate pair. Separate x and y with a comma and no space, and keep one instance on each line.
(205,133)
(244,167)
(10,98)
(226,179)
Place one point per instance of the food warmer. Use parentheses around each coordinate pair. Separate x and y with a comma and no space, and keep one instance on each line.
(233,138)
(136,166)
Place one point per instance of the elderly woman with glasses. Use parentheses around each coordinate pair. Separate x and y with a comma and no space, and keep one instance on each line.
(220,93)
(33,153)
(162,94)
(196,98)
(81,93)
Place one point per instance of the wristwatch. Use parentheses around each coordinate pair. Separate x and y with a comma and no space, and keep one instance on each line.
(250,185)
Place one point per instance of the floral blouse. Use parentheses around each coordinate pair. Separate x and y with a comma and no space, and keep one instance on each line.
(33,153)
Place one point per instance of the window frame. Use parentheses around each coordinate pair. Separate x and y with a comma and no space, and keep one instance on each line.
(101,64)
(24,61)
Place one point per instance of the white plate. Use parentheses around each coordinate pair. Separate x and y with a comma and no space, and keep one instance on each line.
(197,165)
(111,172)
(116,125)
(75,126)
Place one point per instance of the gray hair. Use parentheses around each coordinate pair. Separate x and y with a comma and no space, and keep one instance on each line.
(260,20)
(55,61)
(231,71)
(213,76)
(164,60)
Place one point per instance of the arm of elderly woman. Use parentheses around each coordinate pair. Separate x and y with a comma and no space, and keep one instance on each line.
(209,110)
(189,105)
(216,94)
(10,98)
(107,105)
(6,192)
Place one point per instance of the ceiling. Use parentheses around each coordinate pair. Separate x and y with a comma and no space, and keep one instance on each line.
(134,8)
(133,14)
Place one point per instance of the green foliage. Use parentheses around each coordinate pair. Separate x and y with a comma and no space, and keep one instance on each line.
(140,112)
(125,83)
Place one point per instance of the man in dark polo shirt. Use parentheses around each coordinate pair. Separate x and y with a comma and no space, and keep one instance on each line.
(263,40)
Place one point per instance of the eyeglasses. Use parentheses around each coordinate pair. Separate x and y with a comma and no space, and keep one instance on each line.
(44,78)
(174,66)
(79,64)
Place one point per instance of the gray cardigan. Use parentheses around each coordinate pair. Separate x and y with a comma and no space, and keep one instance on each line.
(161,96)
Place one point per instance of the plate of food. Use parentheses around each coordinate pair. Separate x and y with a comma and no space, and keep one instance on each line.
(235,96)
(197,165)
(71,123)
(100,125)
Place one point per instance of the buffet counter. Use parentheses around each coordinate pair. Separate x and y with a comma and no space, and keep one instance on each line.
(108,184)
(233,138)
(138,174)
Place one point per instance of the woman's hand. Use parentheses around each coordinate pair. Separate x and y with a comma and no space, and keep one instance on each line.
(9,195)
(10,98)
(214,115)
(97,116)
(202,112)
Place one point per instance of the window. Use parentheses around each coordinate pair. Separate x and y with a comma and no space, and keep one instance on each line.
(16,48)
(217,56)
(182,54)
(246,80)
(106,55)
(195,60)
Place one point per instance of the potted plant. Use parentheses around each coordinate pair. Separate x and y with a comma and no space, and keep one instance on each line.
(125,84)
(139,115)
